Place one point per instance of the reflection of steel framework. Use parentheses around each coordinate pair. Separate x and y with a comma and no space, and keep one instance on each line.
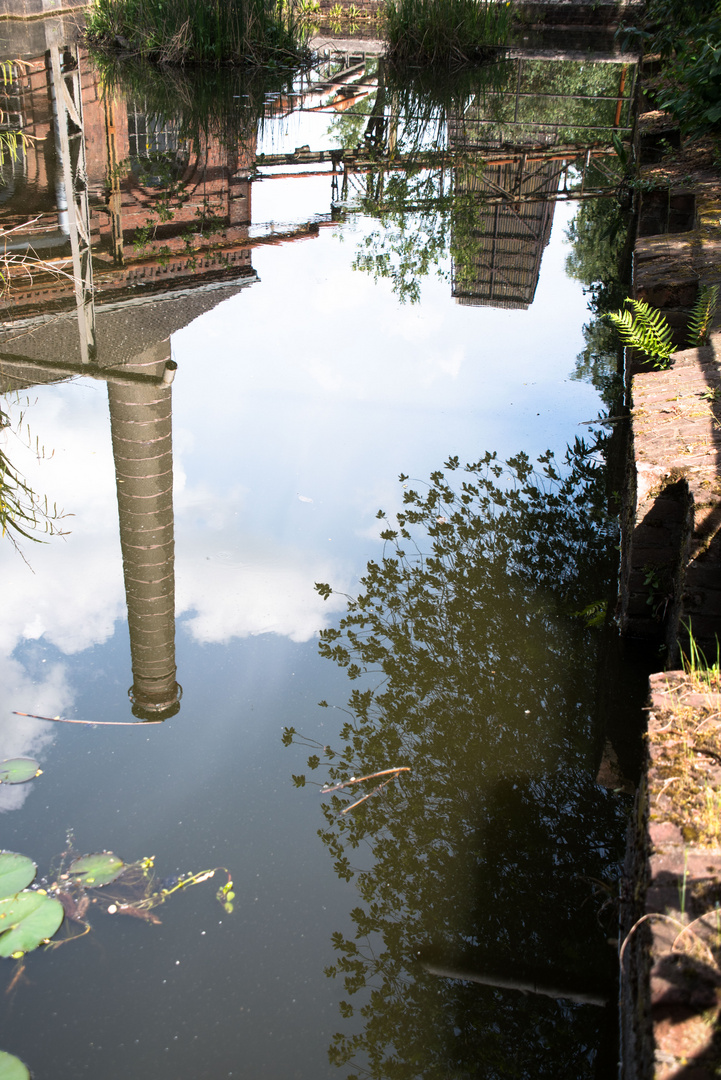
(68,106)
(514,116)
(497,248)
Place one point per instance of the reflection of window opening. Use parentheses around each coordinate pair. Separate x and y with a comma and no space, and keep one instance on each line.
(158,155)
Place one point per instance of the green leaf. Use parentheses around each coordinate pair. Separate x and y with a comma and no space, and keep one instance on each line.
(98,869)
(18,770)
(27,920)
(702,316)
(16,872)
(12,1068)
(645,329)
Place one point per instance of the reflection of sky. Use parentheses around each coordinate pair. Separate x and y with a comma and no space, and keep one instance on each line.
(297,404)
(330,389)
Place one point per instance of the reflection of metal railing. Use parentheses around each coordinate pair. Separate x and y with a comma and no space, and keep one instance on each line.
(501,117)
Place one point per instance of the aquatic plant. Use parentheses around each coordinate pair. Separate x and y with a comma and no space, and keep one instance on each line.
(12,1068)
(445,34)
(11,141)
(22,511)
(248,33)
(18,770)
(31,915)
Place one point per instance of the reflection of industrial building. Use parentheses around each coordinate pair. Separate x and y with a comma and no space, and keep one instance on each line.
(95,174)
(154,209)
(498,243)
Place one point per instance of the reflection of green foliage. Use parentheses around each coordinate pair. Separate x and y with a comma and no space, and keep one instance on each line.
(561,98)
(599,236)
(413,234)
(228,104)
(471,669)
(347,128)
(243,32)
(446,34)
(422,220)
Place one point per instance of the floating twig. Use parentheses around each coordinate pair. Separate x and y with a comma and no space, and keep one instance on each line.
(368,796)
(92,723)
(370,776)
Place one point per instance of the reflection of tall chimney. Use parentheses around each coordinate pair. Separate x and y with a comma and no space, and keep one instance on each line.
(140,420)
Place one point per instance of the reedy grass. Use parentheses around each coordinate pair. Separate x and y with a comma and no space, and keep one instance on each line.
(447,34)
(249,33)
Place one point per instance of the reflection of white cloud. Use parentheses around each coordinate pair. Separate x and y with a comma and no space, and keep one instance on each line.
(72,601)
(21,736)
(248,589)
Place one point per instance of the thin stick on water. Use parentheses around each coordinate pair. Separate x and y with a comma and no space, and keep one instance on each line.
(368,796)
(92,723)
(370,776)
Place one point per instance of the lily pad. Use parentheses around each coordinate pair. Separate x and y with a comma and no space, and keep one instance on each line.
(26,920)
(98,869)
(16,871)
(18,770)
(12,1068)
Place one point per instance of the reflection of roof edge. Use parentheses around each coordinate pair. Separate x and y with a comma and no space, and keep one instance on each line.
(145,294)
(479,301)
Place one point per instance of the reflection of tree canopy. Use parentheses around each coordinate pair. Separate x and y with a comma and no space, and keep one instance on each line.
(228,103)
(599,257)
(473,670)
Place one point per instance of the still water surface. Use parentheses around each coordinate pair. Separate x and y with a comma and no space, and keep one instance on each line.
(302,393)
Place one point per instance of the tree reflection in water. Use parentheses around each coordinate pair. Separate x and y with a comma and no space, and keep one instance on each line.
(475,668)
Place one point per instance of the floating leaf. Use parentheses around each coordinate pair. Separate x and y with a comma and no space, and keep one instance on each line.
(16,871)
(18,770)
(27,920)
(96,870)
(12,1068)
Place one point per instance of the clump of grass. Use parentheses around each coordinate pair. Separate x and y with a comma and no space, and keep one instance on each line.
(249,33)
(446,34)
(706,674)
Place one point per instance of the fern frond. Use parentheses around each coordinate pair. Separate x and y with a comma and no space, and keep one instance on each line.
(644,329)
(702,315)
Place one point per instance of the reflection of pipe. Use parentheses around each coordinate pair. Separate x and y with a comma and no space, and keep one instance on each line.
(571,989)
(140,419)
(61,199)
(112,375)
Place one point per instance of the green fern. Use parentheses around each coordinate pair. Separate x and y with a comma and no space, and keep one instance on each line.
(644,329)
(702,315)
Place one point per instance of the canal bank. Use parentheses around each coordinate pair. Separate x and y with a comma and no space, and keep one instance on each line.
(670,580)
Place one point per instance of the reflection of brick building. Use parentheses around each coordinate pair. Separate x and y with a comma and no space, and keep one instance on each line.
(94,174)
(189,202)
